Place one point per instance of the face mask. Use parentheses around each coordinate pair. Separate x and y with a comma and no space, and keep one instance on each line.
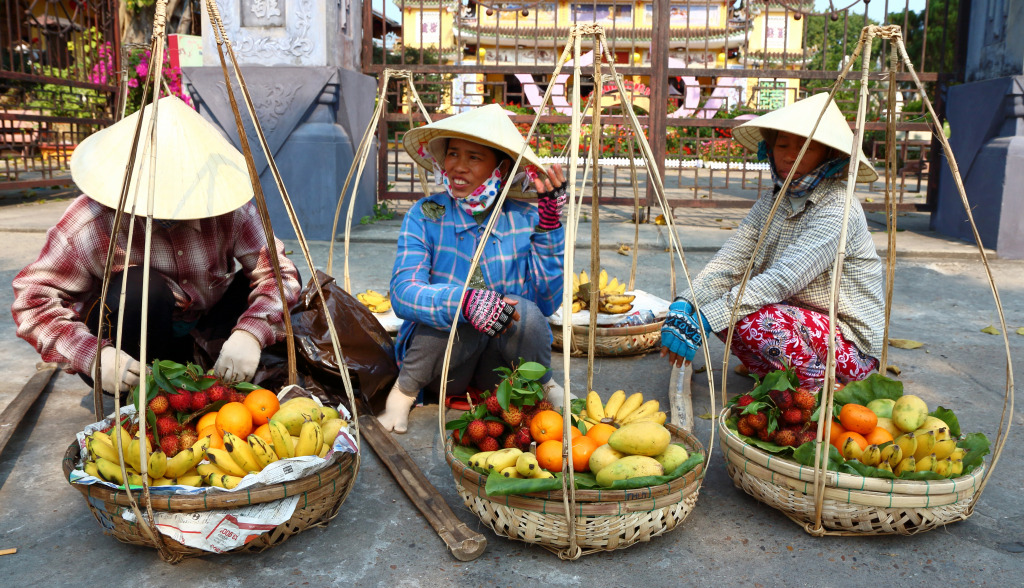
(481,198)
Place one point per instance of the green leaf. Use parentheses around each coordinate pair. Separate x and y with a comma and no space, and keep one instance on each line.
(167,364)
(947,416)
(869,471)
(690,463)
(804,455)
(504,371)
(577,405)
(977,446)
(1020,331)
(499,485)
(990,330)
(186,383)
(504,394)
(172,373)
(754,407)
(929,475)
(245,387)
(463,453)
(532,370)
(151,420)
(161,380)
(905,343)
(206,383)
(871,388)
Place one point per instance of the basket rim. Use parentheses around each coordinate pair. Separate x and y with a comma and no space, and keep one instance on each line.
(613,331)
(778,466)
(344,465)
(687,483)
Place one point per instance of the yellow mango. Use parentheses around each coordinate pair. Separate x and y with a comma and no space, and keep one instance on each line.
(643,438)
(631,466)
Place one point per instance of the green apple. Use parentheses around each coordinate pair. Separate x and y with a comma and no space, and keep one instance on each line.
(882,407)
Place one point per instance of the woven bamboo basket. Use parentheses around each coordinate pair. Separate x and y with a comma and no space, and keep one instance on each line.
(605,519)
(852,504)
(612,341)
(320,498)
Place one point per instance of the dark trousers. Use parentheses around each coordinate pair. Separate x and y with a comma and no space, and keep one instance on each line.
(161,342)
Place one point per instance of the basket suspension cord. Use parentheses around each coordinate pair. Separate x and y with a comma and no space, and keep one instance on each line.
(890,205)
(595,222)
(837,269)
(222,41)
(636,217)
(1005,418)
(364,155)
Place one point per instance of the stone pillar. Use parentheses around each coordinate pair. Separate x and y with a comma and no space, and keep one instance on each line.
(986,116)
(297,59)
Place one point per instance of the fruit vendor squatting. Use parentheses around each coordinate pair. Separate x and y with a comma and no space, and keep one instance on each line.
(783,316)
(519,280)
(204,222)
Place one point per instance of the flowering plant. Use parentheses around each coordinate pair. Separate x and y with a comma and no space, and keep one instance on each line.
(137,62)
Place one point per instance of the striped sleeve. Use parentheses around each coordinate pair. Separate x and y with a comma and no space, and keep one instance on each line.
(413,297)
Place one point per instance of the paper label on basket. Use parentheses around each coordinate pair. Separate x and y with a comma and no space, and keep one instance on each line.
(643,301)
(222,530)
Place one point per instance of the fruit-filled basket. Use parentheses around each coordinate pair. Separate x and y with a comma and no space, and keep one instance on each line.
(635,477)
(228,468)
(893,467)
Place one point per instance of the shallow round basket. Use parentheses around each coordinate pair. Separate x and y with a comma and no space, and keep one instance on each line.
(605,519)
(611,341)
(320,497)
(852,505)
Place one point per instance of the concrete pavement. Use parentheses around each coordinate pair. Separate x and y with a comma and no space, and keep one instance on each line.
(379,539)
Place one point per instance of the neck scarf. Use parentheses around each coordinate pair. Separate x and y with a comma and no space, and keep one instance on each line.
(801,187)
(481,198)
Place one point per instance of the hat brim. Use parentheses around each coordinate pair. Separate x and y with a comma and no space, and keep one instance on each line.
(798,118)
(198,173)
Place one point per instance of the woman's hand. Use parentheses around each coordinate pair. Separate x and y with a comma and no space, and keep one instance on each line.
(550,197)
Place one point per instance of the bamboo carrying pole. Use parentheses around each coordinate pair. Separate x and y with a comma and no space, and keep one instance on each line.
(576,33)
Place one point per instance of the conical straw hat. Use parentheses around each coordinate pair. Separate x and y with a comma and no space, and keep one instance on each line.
(488,125)
(199,174)
(798,118)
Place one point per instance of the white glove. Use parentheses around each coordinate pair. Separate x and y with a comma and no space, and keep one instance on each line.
(110,378)
(238,357)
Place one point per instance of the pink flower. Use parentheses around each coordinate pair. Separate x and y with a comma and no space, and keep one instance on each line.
(142,69)
(133,83)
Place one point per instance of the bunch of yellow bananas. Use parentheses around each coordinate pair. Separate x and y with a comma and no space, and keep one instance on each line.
(511,463)
(375,301)
(178,470)
(612,298)
(932,450)
(621,410)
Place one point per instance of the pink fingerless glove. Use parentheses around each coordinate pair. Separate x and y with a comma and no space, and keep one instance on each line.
(549,206)
(487,311)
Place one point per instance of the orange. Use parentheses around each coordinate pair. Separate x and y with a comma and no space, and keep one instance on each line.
(235,418)
(263,432)
(549,455)
(835,432)
(575,432)
(207,420)
(600,433)
(858,418)
(216,441)
(582,448)
(546,425)
(855,436)
(879,436)
(262,404)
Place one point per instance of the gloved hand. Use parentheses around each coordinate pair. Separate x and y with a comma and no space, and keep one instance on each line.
(111,379)
(238,357)
(683,332)
(488,311)
(551,198)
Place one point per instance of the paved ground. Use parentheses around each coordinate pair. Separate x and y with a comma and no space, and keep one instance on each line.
(941,299)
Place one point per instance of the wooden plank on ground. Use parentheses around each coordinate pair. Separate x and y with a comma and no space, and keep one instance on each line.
(464,543)
(15,411)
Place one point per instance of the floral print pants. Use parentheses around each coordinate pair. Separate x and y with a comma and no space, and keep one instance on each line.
(777,335)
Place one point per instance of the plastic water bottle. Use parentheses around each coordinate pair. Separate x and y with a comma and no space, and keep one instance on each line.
(636,318)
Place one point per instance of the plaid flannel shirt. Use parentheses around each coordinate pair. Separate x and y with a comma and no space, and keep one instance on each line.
(794,266)
(435,248)
(196,257)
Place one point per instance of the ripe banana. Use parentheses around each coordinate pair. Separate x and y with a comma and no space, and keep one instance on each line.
(892,454)
(109,471)
(619,299)
(871,456)
(851,449)
(907,443)
(262,450)
(632,403)
(542,473)
(135,479)
(614,403)
(282,440)
(311,439)
(616,308)
(222,459)
(926,463)
(527,464)
(645,410)
(90,469)
(375,301)
(943,467)
(100,449)
(941,434)
(602,280)
(157,464)
(511,472)
(501,459)
(925,445)
(958,453)
(479,461)
(909,464)
(131,455)
(595,409)
(188,479)
(241,453)
(957,467)
(944,448)
(577,306)
(884,465)
(207,469)
(224,481)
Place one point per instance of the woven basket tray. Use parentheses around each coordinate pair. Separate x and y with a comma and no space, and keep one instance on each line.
(612,341)
(605,519)
(320,497)
(853,505)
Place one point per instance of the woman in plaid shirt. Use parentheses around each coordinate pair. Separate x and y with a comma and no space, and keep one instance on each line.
(203,224)
(783,316)
(519,279)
